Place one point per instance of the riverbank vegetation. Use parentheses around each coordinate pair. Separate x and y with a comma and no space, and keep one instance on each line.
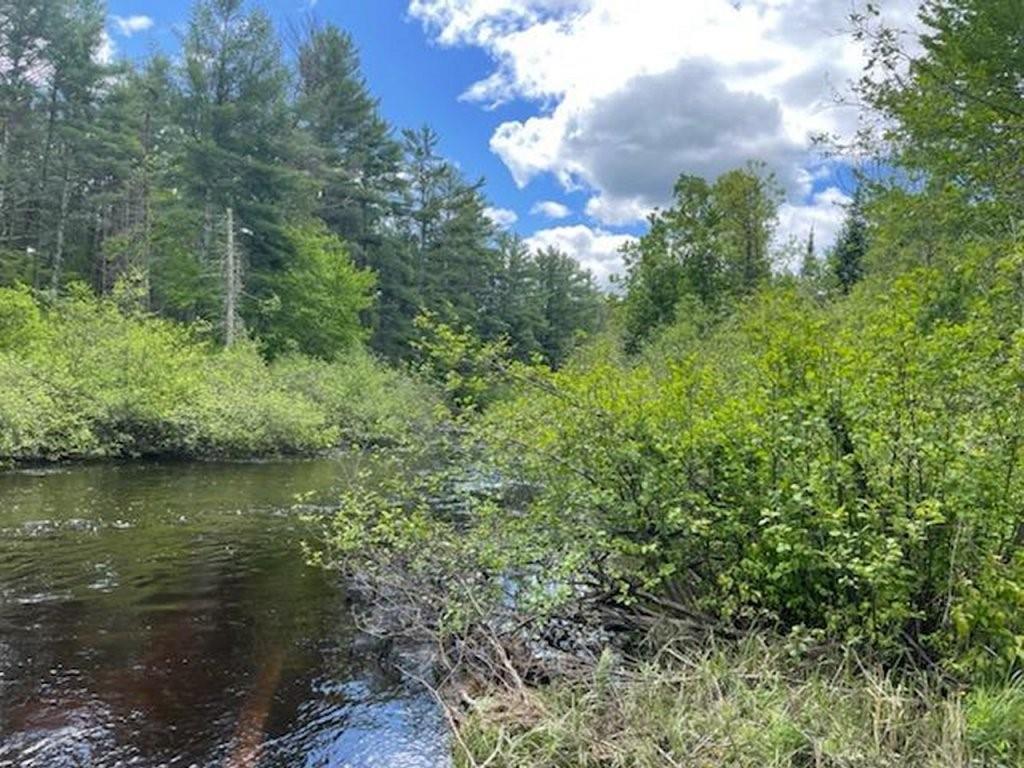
(214,252)
(746,704)
(82,378)
(824,466)
(742,512)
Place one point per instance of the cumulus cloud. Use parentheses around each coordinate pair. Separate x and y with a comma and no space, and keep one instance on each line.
(502,217)
(550,209)
(129,25)
(595,249)
(628,94)
(823,214)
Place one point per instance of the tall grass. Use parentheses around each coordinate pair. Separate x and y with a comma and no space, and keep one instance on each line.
(746,705)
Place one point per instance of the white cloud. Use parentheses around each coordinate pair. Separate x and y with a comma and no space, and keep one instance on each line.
(129,25)
(550,209)
(628,94)
(502,217)
(107,50)
(823,213)
(595,249)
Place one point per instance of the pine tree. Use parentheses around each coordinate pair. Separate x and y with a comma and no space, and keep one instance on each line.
(356,160)
(25,31)
(846,262)
(239,137)
(810,267)
(450,232)
(569,303)
(512,310)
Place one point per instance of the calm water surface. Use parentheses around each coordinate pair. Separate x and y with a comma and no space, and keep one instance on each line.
(163,615)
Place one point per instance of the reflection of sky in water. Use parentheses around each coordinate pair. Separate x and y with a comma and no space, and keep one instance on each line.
(81,737)
(346,726)
(391,730)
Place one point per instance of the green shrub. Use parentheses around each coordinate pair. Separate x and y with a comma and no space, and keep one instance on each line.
(87,378)
(239,409)
(21,322)
(850,471)
(365,399)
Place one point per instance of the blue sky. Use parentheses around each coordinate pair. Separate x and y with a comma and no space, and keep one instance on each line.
(581,113)
(416,81)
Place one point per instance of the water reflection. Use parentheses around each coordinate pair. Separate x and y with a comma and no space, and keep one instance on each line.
(162,615)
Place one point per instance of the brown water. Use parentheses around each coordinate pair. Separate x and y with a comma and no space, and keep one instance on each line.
(163,615)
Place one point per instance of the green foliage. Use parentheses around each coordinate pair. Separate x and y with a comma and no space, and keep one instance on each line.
(543,304)
(851,470)
(369,401)
(952,110)
(711,246)
(846,260)
(85,379)
(20,319)
(748,706)
(995,724)
(318,298)
(466,369)
(181,174)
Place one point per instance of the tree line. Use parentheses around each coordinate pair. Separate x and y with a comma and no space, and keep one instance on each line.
(259,193)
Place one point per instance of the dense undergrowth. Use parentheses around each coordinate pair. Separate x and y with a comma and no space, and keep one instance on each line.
(842,474)
(847,471)
(82,378)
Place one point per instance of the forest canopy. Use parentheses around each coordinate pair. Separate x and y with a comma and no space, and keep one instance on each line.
(255,191)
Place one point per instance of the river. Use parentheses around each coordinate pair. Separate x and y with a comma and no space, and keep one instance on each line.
(162,614)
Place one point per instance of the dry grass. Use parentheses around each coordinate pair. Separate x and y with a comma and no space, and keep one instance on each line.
(748,705)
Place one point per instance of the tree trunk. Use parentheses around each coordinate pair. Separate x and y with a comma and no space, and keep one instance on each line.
(147,214)
(58,251)
(5,148)
(231,283)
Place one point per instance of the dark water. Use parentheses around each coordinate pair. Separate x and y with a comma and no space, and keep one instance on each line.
(163,615)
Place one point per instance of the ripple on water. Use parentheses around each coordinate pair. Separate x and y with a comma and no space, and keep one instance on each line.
(142,607)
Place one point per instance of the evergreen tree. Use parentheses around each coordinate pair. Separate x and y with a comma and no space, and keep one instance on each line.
(356,159)
(50,90)
(513,311)
(454,260)
(810,266)
(172,186)
(25,31)
(238,138)
(570,306)
(846,262)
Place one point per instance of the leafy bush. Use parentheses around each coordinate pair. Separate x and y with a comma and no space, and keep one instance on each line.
(366,399)
(850,471)
(85,379)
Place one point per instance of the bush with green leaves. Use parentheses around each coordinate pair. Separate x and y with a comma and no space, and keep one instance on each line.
(369,401)
(86,378)
(851,471)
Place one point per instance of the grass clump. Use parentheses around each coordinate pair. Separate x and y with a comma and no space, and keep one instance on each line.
(749,704)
